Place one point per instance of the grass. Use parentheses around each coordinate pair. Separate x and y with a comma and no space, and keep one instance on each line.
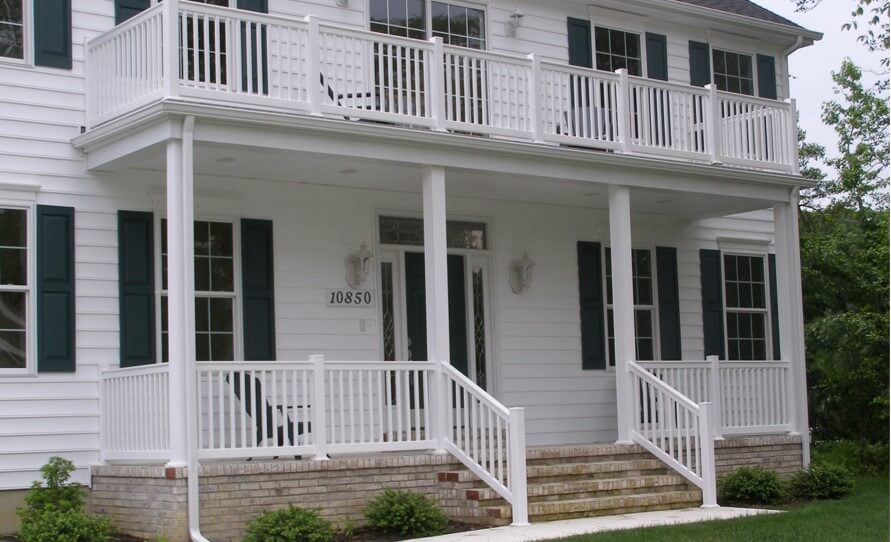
(862,517)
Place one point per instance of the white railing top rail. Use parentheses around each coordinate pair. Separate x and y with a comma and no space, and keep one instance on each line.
(123,27)
(136,370)
(754,100)
(755,364)
(661,384)
(579,70)
(346,31)
(685,364)
(254,16)
(251,365)
(488,55)
(671,85)
(479,392)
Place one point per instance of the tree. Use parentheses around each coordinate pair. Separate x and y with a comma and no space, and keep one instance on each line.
(874,13)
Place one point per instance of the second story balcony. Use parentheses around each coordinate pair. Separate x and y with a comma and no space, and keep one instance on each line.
(207,54)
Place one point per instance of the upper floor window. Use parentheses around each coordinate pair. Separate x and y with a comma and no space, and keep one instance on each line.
(455,24)
(14,289)
(733,72)
(12,29)
(616,49)
(745,291)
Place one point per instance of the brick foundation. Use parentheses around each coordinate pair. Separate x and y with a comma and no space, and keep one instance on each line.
(780,453)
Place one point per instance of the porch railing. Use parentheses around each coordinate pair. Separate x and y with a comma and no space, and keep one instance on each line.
(134,413)
(318,407)
(675,429)
(749,397)
(198,51)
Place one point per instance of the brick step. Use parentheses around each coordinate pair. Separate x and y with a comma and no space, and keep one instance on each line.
(592,451)
(589,488)
(605,458)
(605,469)
(619,504)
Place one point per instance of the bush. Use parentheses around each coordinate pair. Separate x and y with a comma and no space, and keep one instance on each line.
(753,486)
(822,481)
(857,457)
(290,524)
(54,511)
(406,514)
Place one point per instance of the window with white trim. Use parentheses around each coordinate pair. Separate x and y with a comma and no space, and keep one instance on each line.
(459,25)
(643,291)
(733,72)
(456,24)
(617,49)
(745,307)
(12,29)
(215,292)
(14,289)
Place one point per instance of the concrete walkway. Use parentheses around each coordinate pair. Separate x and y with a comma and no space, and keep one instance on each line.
(572,527)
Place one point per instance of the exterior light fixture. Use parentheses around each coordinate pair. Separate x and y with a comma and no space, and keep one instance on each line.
(521,274)
(358,265)
(514,22)
(342,3)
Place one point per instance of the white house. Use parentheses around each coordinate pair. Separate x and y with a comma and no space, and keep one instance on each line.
(251,229)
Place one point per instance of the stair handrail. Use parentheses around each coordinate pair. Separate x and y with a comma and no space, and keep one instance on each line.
(675,429)
(481,444)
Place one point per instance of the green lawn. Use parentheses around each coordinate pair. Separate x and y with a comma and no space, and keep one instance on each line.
(862,517)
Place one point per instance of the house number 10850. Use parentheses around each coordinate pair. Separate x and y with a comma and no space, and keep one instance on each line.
(348,298)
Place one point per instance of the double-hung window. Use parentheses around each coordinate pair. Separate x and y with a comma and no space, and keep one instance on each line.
(12,29)
(746,310)
(455,24)
(617,49)
(215,294)
(14,289)
(644,305)
(733,72)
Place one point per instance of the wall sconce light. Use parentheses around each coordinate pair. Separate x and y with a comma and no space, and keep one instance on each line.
(514,21)
(342,3)
(521,274)
(358,265)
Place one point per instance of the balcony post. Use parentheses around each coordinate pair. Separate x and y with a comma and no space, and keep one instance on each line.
(319,429)
(171,48)
(535,99)
(314,67)
(437,290)
(437,85)
(713,124)
(623,303)
(785,217)
(794,166)
(717,395)
(517,465)
(624,110)
(707,454)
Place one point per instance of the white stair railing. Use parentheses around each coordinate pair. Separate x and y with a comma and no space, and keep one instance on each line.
(488,438)
(675,429)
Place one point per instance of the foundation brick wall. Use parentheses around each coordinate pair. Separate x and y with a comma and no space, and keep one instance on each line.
(780,453)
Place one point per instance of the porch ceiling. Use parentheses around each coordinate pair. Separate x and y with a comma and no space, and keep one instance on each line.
(226,161)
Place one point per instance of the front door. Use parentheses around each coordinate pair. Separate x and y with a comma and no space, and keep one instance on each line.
(416,315)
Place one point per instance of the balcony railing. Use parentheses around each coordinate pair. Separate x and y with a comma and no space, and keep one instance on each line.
(303,66)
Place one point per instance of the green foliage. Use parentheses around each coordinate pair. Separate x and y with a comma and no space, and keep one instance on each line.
(405,513)
(822,481)
(857,457)
(752,485)
(289,525)
(54,511)
(869,15)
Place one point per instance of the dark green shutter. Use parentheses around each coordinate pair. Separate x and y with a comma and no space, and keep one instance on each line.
(258,290)
(124,9)
(774,305)
(55,289)
(669,303)
(700,64)
(579,34)
(136,287)
(657,57)
(591,305)
(767,77)
(52,33)
(712,302)
(260,6)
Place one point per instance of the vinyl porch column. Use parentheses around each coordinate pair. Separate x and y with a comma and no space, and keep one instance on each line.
(180,290)
(623,302)
(791,315)
(436,284)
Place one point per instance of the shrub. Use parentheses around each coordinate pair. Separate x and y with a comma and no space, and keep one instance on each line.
(54,511)
(822,481)
(290,524)
(857,457)
(753,485)
(406,514)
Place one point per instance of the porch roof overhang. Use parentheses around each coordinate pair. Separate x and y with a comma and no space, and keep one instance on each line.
(137,141)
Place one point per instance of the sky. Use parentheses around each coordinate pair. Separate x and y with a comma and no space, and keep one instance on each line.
(811,67)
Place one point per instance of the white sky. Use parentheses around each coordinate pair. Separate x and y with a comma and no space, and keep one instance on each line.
(811,67)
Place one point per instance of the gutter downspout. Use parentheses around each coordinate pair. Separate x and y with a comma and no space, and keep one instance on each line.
(192,470)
